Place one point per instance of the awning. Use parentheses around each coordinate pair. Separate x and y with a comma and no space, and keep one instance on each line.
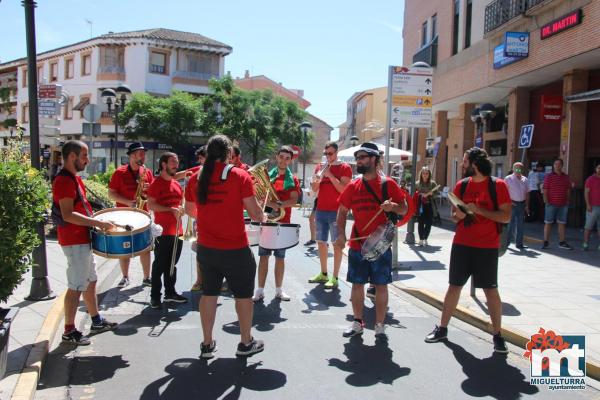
(82,103)
(584,96)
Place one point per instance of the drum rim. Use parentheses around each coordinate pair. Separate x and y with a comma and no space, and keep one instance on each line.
(282,248)
(129,255)
(126,233)
(284,225)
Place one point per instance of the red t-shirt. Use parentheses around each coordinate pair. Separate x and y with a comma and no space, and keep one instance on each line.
(64,187)
(593,184)
(167,194)
(194,169)
(125,182)
(243,166)
(220,221)
(285,195)
(328,194)
(557,187)
(357,198)
(483,233)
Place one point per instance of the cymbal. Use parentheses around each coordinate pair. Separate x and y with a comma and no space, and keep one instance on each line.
(458,203)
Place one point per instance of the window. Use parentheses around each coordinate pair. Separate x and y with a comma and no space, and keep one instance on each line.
(158,62)
(455,27)
(424,34)
(24,77)
(86,64)
(84,100)
(69,109)
(468,23)
(53,72)
(112,57)
(69,68)
(433,26)
(40,74)
(25,113)
(202,63)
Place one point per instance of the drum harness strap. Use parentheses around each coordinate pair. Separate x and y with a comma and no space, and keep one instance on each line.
(79,196)
(384,192)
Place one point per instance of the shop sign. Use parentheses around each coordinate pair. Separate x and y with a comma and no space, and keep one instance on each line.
(500,60)
(516,44)
(561,24)
(552,107)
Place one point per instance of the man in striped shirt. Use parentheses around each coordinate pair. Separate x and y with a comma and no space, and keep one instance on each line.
(556,197)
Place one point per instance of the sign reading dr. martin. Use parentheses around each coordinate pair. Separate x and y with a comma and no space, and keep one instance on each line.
(557,361)
(411,89)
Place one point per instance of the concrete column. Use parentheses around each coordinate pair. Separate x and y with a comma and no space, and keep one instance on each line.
(469,129)
(518,115)
(572,135)
(440,129)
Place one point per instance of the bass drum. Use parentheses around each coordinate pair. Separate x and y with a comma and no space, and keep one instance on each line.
(133,238)
(274,236)
(252,231)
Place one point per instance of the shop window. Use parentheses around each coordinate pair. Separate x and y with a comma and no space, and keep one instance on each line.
(496,148)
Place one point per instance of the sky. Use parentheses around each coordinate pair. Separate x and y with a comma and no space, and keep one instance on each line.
(328,48)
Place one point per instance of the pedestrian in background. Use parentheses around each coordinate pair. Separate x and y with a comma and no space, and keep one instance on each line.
(535,180)
(518,188)
(592,203)
(557,188)
(427,207)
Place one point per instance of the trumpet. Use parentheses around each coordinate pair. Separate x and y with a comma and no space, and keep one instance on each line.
(140,197)
(322,170)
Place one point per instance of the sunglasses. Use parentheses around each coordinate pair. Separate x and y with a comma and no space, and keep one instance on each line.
(358,158)
(328,153)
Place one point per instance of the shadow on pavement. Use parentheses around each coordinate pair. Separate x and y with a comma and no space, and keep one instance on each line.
(319,299)
(401,277)
(84,370)
(264,319)
(369,318)
(524,252)
(368,365)
(225,378)
(507,309)
(424,265)
(157,320)
(491,376)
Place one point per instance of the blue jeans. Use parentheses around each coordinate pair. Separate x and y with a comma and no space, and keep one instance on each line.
(516,223)
(326,226)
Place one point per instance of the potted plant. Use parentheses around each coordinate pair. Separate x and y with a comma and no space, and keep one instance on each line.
(23,204)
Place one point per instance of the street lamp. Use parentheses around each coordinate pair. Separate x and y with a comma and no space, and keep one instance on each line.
(304,127)
(353,141)
(116,98)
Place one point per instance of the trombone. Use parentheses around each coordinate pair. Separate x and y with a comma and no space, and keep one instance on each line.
(189,234)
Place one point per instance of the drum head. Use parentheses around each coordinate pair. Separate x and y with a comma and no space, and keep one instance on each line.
(137,219)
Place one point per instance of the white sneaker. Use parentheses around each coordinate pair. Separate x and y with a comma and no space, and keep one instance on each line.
(123,282)
(425,243)
(258,295)
(355,329)
(283,296)
(380,330)
(420,243)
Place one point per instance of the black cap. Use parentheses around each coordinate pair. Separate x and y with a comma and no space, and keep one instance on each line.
(134,147)
(369,148)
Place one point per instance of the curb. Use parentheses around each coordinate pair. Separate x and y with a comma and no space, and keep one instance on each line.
(29,376)
(513,336)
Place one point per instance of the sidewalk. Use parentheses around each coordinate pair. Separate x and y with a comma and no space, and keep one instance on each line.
(32,315)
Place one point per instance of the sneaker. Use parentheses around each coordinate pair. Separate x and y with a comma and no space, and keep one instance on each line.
(565,245)
(310,243)
(103,326)
(248,350)
(420,243)
(438,333)
(207,351)
(319,278)
(259,295)
(123,282)
(585,246)
(147,282)
(380,331)
(156,304)
(545,245)
(332,283)
(355,329)
(75,337)
(371,292)
(283,296)
(500,344)
(196,287)
(425,243)
(175,298)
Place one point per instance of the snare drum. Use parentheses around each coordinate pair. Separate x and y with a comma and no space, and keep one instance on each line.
(252,231)
(274,236)
(122,243)
(378,242)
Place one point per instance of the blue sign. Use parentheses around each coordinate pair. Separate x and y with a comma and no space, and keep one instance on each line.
(500,60)
(516,44)
(526,136)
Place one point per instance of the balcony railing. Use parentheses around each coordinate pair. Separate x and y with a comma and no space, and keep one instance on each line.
(205,76)
(428,53)
(499,12)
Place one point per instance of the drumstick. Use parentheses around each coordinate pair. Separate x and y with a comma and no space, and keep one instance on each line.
(126,227)
(358,238)
(375,216)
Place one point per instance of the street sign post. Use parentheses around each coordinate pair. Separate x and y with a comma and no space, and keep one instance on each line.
(49,91)
(525,139)
(48,107)
(411,91)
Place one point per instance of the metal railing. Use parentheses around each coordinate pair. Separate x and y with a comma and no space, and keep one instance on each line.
(499,12)
(427,53)
(196,75)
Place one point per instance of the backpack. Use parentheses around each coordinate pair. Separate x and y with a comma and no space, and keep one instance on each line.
(501,228)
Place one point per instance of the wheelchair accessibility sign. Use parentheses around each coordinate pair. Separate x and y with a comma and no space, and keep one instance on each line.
(526,136)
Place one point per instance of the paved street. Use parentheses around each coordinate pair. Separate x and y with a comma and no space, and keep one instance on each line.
(154,354)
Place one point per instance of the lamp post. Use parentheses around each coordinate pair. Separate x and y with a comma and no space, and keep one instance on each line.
(116,98)
(304,127)
(353,141)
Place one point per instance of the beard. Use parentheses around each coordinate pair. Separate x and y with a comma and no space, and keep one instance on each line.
(79,166)
(171,172)
(362,169)
(469,171)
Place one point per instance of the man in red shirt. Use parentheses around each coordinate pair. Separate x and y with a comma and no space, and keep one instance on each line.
(365,205)
(592,203)
(333,179)
(287,187)
(557,187)
(476,241)
(221,194)
(122,189)
(68,194)
(236,159)
(164,198)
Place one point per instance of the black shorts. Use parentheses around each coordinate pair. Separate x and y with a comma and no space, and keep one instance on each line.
(482,264)
(237,266)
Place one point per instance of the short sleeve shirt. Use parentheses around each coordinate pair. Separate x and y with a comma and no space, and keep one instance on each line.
(328,194)
(593,184)
(557,187)
(284,195)
(167,193)
(64,187)
(125,181)
(483,233)
(357,198)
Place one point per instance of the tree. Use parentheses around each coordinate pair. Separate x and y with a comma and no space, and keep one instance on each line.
(258,119)
(167,120)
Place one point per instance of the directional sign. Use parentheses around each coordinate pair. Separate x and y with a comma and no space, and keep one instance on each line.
(48,108)
(526,136)
(411,97)
(49,91)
